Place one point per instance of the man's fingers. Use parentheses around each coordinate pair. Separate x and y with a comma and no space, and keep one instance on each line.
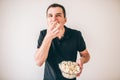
(53,25)
(56,29)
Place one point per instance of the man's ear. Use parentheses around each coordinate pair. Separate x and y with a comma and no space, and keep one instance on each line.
(65,19)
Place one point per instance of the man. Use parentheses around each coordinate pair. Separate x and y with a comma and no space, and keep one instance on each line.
(59,43)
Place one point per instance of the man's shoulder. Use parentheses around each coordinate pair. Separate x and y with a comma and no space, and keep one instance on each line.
(71,30)
(43,31)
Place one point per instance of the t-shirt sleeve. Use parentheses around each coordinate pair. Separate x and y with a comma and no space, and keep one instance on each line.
(81,43)
(40,39)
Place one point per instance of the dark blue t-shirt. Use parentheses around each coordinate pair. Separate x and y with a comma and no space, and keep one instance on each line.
(64,49)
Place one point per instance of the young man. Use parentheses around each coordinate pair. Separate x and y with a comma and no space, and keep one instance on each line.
(59,43)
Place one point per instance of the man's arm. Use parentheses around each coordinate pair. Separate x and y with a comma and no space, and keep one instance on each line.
(42,52)
(85,57)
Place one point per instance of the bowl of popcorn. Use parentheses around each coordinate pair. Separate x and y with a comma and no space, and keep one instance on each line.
(69,69)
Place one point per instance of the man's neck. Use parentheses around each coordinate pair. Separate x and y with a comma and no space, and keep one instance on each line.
(62,31)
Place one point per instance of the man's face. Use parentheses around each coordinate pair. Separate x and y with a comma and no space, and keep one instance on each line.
(55,14)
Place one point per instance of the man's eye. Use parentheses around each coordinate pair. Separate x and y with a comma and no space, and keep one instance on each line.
(58,15)
(49,15)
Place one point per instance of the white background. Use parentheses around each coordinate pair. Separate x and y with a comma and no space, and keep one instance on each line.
(22,20)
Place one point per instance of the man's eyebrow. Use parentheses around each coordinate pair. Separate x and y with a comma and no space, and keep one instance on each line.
(59,13)
(55,14)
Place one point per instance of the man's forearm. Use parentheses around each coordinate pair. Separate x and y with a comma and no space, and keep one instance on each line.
(85,57)
(42,52)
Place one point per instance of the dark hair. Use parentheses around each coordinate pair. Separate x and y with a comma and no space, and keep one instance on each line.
(57,5)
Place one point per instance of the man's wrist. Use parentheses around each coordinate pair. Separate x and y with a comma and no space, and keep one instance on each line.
(47,37)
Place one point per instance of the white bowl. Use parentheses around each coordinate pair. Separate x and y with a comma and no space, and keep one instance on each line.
(69,69)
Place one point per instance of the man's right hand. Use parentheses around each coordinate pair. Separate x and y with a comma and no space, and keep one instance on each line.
(53,30)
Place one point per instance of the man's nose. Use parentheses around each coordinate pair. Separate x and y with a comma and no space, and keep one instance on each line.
(54,18)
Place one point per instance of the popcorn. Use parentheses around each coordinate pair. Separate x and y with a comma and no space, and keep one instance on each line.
(69,69)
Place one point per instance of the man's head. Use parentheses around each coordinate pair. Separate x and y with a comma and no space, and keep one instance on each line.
(56,5)
(56,13)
